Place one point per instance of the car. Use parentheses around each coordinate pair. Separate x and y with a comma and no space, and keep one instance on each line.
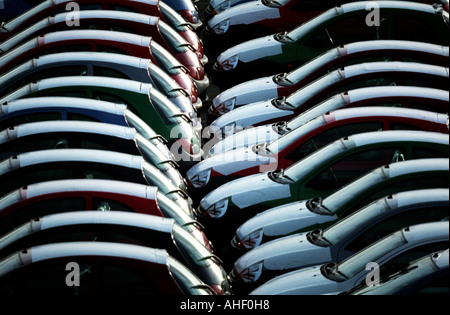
(147,103)
(43,108)
(187,9)
(392,252)
(100,64)
(299,216)
(48,8)
(421,98)
(284,84)
(398,20)
(45,135)
(43,165)
(345,237)
(120,227)
(254,19)
(423,277)
(100,41)
(106,268)
(309,137)
(337,81)
(67,195)
(319,174)
(127,22)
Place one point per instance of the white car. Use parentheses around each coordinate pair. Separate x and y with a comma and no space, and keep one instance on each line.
(344,238)
(390,253)
(431,99)
(335,82)
(305,215)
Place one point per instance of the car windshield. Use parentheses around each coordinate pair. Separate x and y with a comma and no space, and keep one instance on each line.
(309,68)
(340,198)
(333,103)
(275,3)
(152,154)
(357,262)
(175,20)
(310,27)
(173,39)
(166,60)
(156,178)
(353,222)
(314,161)
(302,95)
(171,209)
(191,248)
(188,282)
(10,199)
(141,127)
(167,108)
(164,82)
(289,138)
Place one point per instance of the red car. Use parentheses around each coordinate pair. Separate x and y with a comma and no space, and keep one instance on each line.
(49,197)
(298,143)
(97,268)
(128,22)
(100,41)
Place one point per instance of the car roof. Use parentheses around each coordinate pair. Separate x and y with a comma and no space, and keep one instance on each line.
(362,139)
(395,66)
(411,197)
(43,127)
(359,94)
(404,5)
(109,217)
(381,111)
(96,35)
(92,185)
(90,56)
(361,46)
(76,155)
(425,231)
(61,103)
(110,14)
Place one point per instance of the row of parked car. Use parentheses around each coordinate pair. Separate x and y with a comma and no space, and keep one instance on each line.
(329,145)
(307,176)
(100,111)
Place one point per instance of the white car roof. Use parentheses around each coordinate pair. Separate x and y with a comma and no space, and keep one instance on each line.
(110,217)
(96,35)
(61,102)
(75,126)
(356,47)
(386,91)
(395,66)
(79,155)
(399,135)
(94,185)
(110,14)
(406,198)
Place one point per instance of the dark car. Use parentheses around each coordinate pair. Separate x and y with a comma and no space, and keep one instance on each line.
(120,227)
(399,20)
(102,267)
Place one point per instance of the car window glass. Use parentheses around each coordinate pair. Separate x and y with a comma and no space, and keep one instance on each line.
(351,167)
(358,28)
(110,49)
(394,125)
(108,72)
(397,222)
(66,48)
(425,153)
(103,204)
(68,93)
(122,279)
(402,260)
(121,28)
(28,118)
(123,8)
(320,140)
(90,6)
(414,29)
(32,143)
(438,286)
(29,280)
(81,117)
(38,209)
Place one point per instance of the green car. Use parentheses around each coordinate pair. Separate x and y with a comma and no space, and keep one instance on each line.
(317,175)
(154,108)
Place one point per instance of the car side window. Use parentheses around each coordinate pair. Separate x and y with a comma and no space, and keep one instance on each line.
(28,118)
(34,143)
(397,222)
(29,280)
(406,26)
(353,166)
(108,72)
(65,48)
(38,209)
(104,204)
(320,140)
